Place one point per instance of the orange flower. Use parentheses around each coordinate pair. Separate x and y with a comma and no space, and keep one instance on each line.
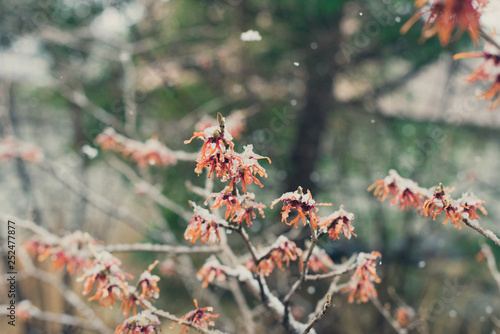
(203,226)
(248,207)
(104,269)
(444,16)
(148,283)
(144,323)
(110,292)
(469,204)
(303,204)
(486,71)
(217,152)
(282,251)
(210,271)
(361,285)
(199,317)
(248,168)
(130,301)
(441,202)
(338,222)
(404,192)
(493,94)
(229,198)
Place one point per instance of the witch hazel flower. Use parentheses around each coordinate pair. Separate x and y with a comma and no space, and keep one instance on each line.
(282,251)
(211,271)
(130,301)
(304,204)
(105,270)
(404,192)
(248,208)
(199,317)
(148,283)
(445,16)
(204,226)
(469,204)
(150,153)
(248,168)
(110,292)
(144,323)
(361,285)
(337,223)
(70,251)
(229,198)
(217,153)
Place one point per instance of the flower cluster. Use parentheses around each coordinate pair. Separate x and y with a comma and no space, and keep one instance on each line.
(204,225)
(150,153)
(361,285)
(12,148)
(281,252)
(445,16)
(218,155)
(239,208)
(106,271)
(337,223)
(430,202)
(488,71)
(304,204)
(199,317)
(70,251)
(144,323)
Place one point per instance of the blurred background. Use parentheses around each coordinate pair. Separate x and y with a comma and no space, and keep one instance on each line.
(332,93)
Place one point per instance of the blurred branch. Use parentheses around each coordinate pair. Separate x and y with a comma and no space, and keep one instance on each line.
(65,319)
(340,269)
(388,316)
(161,248)
(492,266)
(92,198)
(68,294)
(474,224)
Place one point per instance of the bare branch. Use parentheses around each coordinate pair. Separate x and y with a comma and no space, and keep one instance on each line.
(492,266)
(339,270)
(320,315)
(388,316)
(158,248)
(474,224)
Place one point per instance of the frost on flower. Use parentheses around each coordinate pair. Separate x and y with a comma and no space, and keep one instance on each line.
(338,223)
(319,260)
(70,251)
(304,204)
(211,271)
(250,36)
(203,225)
(106,271)
(145,322)
(150,153)
(148,283)
(361,285)
(404,192)
(199,317)
(282,251)
(247,169)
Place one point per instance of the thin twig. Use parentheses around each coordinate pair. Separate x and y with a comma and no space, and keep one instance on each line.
(388,316)
(298,283)
(492,266)
(474,224)
(68,294)
(488,38)
(319,315)
(340,269)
